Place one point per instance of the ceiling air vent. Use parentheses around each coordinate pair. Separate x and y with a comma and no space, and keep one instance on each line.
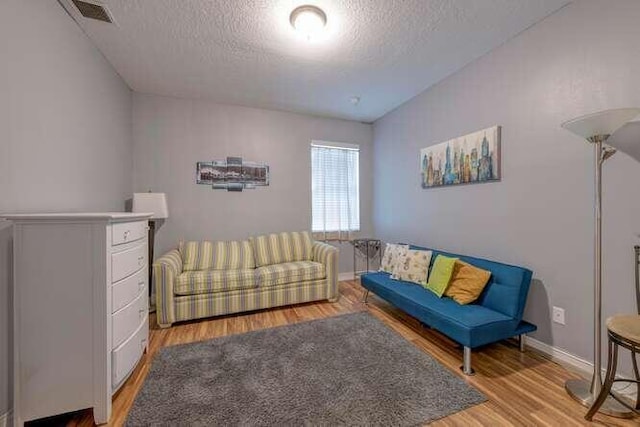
(93,11)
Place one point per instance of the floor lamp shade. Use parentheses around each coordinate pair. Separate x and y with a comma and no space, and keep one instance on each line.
(604,123)
(599,129)
(627,139)
(151,202)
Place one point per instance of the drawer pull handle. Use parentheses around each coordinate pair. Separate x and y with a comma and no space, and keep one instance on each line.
(142,312)
(141,284)
(126,235)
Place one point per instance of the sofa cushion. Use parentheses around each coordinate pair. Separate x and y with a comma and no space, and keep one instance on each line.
(237,255)
(508,286)
(471,325)
(283,247)
(211,281)
(289,272)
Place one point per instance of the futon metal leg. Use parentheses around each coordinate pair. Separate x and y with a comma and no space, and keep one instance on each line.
(521,339)
(466,362)
(366,295)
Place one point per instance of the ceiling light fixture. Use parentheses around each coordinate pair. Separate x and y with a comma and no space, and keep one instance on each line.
(308,20)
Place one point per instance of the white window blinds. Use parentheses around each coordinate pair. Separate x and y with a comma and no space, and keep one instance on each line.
(335,190)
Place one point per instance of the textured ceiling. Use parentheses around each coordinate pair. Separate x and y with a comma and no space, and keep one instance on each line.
(245,52)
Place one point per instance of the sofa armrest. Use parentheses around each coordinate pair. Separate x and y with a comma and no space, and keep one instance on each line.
(165,271)
(328,256)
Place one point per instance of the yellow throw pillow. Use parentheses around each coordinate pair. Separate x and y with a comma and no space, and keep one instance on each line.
(413,267)
(440,274)
(467,282)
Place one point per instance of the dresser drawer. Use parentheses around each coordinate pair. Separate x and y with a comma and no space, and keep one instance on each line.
(125,232)
(126,356)
(126,290)
(126,320)
(125,263)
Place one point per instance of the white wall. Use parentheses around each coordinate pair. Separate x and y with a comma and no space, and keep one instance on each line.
(583,59)
(65,130)
(171,135)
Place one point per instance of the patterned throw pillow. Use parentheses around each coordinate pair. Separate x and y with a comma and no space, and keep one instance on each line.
(392,254)
(413,267)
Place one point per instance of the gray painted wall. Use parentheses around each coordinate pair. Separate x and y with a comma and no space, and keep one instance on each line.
(171,135)
(65,128)
(583,59)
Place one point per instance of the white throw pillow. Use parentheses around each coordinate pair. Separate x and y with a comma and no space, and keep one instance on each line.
(392,254)
(413,266)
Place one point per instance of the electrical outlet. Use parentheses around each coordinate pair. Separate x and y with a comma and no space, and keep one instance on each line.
(558,315)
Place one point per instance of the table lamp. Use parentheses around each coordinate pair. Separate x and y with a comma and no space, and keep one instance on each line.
(156,203)
(597,129)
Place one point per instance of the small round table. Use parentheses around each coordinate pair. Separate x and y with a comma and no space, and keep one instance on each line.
(623,331)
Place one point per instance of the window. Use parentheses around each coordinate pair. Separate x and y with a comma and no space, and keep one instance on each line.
(335,192)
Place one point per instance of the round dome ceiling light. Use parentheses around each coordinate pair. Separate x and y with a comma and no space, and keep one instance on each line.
(308,20)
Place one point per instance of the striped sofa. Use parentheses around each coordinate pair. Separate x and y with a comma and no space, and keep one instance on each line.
(203,279)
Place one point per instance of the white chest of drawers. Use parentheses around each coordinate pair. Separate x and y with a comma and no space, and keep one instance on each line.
(80,310)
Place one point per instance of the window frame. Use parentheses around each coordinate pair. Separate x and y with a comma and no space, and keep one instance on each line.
(341,146)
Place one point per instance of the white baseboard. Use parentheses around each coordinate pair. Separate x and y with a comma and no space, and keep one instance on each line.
(5,419)
(577,364)
(345,276)
(561,356)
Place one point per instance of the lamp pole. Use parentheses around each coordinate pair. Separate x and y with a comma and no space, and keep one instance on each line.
(580,390)
(599,155)
(596,129)
(152,236)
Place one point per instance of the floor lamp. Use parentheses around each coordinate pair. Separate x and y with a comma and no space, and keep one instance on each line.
(156,203)
(596,129)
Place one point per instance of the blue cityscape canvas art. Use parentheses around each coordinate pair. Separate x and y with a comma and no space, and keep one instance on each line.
(469,159)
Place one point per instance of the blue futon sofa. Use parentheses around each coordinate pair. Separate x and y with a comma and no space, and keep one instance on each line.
(495,316)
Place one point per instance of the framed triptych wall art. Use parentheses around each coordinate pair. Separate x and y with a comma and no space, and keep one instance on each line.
(232,174)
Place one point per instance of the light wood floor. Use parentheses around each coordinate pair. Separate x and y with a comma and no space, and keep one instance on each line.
(524,389)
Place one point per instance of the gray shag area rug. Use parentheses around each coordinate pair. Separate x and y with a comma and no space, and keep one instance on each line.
(345,370)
